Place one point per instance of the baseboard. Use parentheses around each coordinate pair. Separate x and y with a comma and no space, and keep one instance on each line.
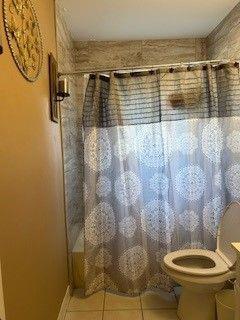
(64,305)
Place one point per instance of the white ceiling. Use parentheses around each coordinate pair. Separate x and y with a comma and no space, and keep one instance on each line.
(143,19)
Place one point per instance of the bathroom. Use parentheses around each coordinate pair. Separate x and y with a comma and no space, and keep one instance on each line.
(120,151)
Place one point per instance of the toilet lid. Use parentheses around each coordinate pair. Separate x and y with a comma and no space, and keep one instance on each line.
(228,232)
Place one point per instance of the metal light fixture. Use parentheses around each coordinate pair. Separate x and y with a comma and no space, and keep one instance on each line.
(59,88)
(63,89)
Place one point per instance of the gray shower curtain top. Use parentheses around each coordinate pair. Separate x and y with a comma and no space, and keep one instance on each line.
(162,95)
(161,160)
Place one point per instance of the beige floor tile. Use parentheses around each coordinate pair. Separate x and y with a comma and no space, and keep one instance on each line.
(160,315)
(80,303)
(158,300)
(119,302)
(85,315)
(123,315)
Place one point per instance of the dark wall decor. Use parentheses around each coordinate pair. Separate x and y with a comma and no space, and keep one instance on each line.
(24,36)
(53,82)
(1,46)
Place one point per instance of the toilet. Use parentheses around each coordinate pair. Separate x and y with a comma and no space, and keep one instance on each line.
(202,273)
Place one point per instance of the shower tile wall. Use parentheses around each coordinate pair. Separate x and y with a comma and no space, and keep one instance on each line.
(224,41)
(71,134)
(117,54)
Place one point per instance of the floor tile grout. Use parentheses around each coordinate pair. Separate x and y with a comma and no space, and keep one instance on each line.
(139,307)
(82,311)
(126,309)
(104,298)
(134,309)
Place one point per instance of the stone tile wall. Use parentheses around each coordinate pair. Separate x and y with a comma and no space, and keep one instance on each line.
(224,41)
(71,133)
(117,54)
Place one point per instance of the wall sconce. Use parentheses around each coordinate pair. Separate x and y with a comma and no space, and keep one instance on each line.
(1,47)
(59,88)
(63,89)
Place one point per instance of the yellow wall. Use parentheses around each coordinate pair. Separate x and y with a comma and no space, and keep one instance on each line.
(32,230)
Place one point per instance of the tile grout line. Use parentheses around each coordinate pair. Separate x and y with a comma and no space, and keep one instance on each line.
(141,306)
(84,311)
(104,298)
(134,309)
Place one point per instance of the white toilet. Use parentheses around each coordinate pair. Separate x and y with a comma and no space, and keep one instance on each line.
(202,273)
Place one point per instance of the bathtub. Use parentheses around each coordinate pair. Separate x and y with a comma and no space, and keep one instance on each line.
(78,262)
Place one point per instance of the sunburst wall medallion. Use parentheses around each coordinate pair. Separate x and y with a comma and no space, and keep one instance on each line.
(24,36)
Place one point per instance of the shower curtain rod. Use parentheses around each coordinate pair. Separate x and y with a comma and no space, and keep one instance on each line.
(78,72)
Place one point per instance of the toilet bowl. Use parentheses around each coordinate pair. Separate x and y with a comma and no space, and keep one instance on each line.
(202,273)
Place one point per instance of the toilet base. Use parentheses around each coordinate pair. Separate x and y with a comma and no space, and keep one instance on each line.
(196,306)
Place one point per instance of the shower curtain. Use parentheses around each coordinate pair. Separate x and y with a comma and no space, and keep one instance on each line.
(161,161)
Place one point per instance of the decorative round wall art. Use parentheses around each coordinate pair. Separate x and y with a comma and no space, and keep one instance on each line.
(24,36)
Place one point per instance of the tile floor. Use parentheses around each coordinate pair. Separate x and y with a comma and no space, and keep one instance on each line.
(107,306)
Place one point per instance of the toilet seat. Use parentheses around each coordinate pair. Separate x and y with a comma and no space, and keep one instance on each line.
(219,267)
(208,263)
(202,273)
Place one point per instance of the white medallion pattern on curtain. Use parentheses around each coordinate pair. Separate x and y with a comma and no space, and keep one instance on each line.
(133,262)
(100,224)
(128,226)
(158,220)
(103,259)
(210,221)
(218,180)
(138,198)
(212,141)
(153,188)
(189,220)
(103,186)
(187,143)
(232,180)
(98,155)
(128,188)
(233,142)
(190,182)
(159,184)
(152,150)
(96,284)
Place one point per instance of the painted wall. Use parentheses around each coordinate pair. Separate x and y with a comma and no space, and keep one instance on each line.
(224,40)
(117,54)
(32,226)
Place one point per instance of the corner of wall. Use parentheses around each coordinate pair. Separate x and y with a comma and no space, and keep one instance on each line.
(224,41)
(71,133)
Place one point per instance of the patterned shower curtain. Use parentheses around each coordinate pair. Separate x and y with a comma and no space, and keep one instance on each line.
(161,154)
